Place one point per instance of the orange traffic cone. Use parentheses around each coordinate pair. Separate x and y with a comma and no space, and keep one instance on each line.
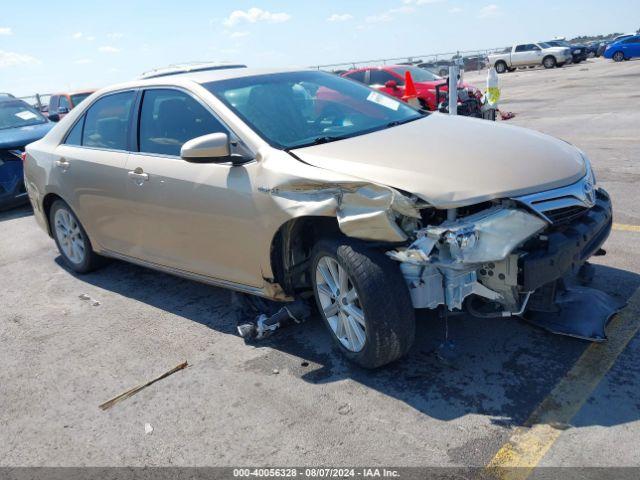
(410,93)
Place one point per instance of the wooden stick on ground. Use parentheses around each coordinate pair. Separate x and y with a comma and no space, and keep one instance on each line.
(134,390)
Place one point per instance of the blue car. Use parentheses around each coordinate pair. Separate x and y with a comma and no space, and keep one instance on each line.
(19,125)
(623,49)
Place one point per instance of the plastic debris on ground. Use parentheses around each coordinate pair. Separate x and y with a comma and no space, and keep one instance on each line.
(583,312)
(148,429)
(273,317)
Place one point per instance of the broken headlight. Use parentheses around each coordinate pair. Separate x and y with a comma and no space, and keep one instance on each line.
(487,236)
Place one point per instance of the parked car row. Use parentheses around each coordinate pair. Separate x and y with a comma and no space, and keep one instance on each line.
(20,124)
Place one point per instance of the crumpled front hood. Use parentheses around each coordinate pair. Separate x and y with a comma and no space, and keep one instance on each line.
(21,136)
(453,161)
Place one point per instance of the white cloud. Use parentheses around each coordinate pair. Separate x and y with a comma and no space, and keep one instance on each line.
(80,35)
(108,49)
(90,38)
(6,31)
(254,15)
(115,35)
(455,10)
(489,11)
(389,14)
(238,34)
(82,61)
(340,17)
(10,59)
(77,35)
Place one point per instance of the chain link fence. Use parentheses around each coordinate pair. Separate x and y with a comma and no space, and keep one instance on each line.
(438,63)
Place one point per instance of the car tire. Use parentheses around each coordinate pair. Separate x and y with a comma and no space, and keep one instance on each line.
(549,62)
(72,239)
(373,321)
(618,57)
(501,67)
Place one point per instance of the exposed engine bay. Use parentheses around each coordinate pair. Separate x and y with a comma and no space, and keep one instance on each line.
(506,255)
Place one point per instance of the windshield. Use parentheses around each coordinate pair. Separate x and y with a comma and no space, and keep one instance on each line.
(417,74)
(78,97)
(16,113)
(298,109)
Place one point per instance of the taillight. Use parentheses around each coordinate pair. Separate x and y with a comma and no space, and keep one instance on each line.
(23,156)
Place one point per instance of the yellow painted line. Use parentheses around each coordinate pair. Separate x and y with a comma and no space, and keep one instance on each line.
(626,228)
(529,443)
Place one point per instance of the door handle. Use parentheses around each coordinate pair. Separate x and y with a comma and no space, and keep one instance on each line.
(62,163)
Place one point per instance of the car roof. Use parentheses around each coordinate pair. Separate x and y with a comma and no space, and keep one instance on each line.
(76,92)
(200,77)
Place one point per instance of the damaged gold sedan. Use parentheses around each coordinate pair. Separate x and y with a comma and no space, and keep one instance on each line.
(277,183)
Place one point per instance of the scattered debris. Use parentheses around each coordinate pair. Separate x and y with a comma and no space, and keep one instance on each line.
(148,429)
(264,326)
(506,115)
(582,312)
(85,297)
(344,409)
(275,371)
(133,391)
(304,364)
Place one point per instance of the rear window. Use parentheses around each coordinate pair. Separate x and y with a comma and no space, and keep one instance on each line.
(107,122)
(16,114)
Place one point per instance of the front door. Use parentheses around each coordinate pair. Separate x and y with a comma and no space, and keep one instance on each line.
(195,217)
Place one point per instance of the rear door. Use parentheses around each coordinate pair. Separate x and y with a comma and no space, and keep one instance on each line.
(631,47)
(90,171)
(195,217)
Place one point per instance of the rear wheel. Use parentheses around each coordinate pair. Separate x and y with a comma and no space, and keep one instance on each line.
(501,67)
(618,57)
(364,301)
(72,240)
(549,62)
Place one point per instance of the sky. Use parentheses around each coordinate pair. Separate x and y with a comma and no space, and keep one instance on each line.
(84,44)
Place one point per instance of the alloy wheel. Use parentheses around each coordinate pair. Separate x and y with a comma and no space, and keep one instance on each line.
(69,235)
(340,304)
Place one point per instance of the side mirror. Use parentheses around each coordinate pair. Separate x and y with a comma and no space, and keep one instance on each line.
(391,84)
(211,148)
(54,117)
(63,110)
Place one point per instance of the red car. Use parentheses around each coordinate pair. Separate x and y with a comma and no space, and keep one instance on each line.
(390,79)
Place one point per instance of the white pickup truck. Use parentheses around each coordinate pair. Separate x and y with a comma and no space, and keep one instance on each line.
(530,55)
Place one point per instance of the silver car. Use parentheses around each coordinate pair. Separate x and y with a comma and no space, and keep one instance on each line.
(276,183)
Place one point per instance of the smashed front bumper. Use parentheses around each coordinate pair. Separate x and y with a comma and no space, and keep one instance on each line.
(564,250)
(504,253)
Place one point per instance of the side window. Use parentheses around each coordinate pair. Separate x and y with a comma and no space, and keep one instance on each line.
(169,118)
(521,48)
(64,102)
(380,77)
(357,76)
(632,40)
(75,135)
(534,47)
(107,121)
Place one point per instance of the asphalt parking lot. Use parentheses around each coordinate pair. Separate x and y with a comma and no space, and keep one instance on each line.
(62,356)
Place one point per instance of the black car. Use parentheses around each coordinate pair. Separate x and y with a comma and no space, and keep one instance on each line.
(578,51)
(20,124)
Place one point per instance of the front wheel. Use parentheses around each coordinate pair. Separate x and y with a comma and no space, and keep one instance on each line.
(501,67)
(364,301)
(549,62)
(72,240)
(618,57)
